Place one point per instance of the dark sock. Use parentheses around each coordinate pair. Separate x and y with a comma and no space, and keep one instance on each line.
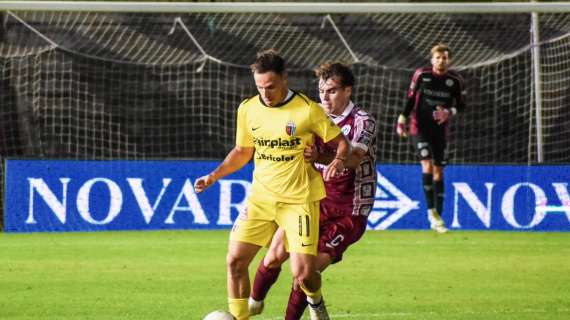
(427,179)
(264,279)
(439,195)
(297,304)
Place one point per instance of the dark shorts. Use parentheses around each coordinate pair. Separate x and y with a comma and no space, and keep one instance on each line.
(430,148)
(338,233)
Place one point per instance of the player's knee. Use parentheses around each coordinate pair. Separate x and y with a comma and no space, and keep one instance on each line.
(272,262)
(236,265)
(303,274)
(427,166)
(275,259)
(437,173)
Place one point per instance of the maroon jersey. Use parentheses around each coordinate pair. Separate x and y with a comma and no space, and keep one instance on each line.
(352,191)
(427,91)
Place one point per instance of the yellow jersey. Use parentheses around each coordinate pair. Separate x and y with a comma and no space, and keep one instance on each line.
(279,135)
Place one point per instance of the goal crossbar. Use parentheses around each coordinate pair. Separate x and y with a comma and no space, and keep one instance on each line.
(286,7)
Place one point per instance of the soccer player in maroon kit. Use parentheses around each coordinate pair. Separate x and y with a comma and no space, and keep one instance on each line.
(350,194)
(436,94)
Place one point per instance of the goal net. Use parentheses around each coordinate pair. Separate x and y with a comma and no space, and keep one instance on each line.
(166,85)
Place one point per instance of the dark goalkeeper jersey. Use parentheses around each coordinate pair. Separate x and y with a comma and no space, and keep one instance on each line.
(427,91)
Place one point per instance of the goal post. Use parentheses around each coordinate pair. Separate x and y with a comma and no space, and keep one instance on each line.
(288,7)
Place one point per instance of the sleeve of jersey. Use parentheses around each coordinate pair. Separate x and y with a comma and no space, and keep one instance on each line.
(322,125)
(411,95)
(460,95)
(365,132)
(243,135)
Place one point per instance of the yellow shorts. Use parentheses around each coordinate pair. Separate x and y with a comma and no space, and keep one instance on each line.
(259,221)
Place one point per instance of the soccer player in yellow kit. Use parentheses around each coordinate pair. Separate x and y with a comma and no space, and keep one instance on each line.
(274,128)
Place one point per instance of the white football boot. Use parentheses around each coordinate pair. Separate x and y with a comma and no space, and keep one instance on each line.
(436,222)
(318,311)
(255,307)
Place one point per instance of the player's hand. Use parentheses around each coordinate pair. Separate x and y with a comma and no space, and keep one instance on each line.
(203,183)
(441,115)
(311,153)
(333,169)
(401,129)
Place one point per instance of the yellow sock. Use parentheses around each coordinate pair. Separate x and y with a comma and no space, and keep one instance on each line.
(238,308)
(312,297)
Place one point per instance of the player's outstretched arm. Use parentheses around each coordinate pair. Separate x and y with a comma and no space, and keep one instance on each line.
(235,160)
(203,183)
(401,124)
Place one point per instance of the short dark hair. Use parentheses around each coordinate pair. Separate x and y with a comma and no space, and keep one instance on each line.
(269,60)
(337,70)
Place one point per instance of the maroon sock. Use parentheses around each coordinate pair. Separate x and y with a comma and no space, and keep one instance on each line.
(264,279)
(297,304)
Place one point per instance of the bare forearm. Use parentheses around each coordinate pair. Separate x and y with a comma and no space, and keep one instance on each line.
(235,160)
(352,161)
(343,149)
(355,157)
(337,164)
(408,108)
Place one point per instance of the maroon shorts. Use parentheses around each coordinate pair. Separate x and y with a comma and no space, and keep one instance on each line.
(337,233)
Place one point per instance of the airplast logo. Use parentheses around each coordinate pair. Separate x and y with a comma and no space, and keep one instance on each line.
(279,143)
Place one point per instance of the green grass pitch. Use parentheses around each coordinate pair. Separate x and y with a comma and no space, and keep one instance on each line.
(387,275)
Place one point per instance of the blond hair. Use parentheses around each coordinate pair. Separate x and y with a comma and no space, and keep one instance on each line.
(441,47)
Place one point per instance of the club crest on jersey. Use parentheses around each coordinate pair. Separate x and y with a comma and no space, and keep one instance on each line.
(449,82)
(290,128)
(346,129)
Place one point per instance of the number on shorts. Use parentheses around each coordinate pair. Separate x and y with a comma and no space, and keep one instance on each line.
(306,225)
